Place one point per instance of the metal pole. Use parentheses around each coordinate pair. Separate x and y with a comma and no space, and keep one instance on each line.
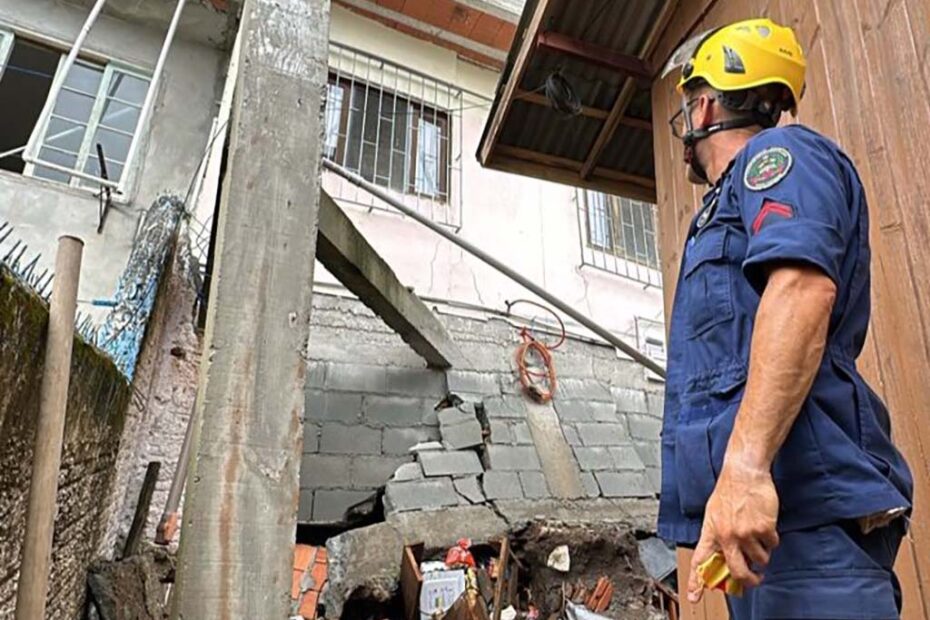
(53,401)
(504,269)
(156,78)
(66,67)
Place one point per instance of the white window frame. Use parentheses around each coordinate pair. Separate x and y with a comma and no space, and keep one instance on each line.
(650,338)
(36,140)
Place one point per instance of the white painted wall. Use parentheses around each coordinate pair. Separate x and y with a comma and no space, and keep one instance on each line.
(529,224)
(173,144)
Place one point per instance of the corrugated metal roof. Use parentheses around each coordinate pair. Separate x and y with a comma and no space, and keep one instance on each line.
(619,26)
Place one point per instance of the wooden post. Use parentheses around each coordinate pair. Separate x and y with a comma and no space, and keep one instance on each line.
(53,404)
(142,509)
(240,511)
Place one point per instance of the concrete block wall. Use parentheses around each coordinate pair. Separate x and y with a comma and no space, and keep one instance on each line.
(98,396)
(370,399)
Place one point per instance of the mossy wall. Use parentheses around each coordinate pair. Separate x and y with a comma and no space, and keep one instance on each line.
(97,400)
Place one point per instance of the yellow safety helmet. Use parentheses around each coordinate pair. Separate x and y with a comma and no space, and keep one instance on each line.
(742,56)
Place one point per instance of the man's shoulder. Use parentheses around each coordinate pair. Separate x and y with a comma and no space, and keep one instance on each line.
(797,137)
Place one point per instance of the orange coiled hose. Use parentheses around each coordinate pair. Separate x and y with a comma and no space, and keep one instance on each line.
(539,384)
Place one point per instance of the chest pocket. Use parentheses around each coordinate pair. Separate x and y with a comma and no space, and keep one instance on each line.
(707,282)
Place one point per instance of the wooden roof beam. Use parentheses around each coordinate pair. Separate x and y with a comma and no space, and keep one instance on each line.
(626,93)
(514,79)
(632,66)
(596,113)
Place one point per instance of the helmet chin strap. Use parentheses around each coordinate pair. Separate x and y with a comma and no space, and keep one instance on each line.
(693,136)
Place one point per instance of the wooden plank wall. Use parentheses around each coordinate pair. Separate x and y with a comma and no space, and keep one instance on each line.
(869,89)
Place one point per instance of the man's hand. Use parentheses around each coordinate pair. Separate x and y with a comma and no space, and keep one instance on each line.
(739,521)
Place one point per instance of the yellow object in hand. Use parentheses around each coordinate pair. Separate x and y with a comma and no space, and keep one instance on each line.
(715,575)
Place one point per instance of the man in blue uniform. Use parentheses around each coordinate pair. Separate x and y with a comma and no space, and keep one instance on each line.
(775,452)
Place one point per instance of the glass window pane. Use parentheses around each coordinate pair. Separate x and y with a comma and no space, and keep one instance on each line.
(64,134)
(427,166)
(333,116)
(92,167)
(85,78)
(120,116)
(74,105)
(598,219)
(115,145)
(128,88)
(67,160)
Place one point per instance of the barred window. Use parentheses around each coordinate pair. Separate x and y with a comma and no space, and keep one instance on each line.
(619,235)
(387,138)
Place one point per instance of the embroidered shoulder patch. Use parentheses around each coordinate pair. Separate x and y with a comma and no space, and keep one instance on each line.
(767,168)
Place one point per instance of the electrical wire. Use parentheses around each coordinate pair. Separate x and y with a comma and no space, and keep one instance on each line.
(540,385)
(562,97)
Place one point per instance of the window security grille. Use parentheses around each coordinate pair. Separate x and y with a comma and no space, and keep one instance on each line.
(396,127)
(619,235)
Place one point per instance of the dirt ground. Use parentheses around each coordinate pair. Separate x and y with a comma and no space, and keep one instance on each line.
(596,551)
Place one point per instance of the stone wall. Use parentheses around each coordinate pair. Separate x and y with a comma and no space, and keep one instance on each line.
(369,399)
(97,401)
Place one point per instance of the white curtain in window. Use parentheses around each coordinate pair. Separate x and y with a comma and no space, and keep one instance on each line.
(598,219)
(427,166)
(333,115)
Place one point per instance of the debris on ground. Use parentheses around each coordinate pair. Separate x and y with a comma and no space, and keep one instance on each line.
(135,588)
(309,578)
(544,571)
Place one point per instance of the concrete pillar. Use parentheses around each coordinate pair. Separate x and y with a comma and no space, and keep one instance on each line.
(240,513)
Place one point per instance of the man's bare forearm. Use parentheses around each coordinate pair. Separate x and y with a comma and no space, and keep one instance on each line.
(787,348)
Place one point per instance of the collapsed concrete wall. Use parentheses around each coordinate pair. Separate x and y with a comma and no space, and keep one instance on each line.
(97,401)
(369,400)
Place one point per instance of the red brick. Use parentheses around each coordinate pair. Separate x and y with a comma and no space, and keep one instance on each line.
(463,20)
(505,36)
(486,29)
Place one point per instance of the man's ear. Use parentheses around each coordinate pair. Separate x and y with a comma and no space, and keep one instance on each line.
(705,112)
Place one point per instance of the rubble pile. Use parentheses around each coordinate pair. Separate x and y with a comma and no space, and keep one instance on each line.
(544,570)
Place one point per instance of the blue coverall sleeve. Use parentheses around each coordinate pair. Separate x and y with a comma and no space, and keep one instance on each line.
(794,203)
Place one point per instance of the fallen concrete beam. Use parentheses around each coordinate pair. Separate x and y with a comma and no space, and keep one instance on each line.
(343,250)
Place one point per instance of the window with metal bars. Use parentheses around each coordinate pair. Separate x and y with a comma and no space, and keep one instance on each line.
(619,235)
(98,107)
(388,138)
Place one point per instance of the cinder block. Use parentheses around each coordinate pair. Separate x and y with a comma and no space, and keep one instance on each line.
(626,457)
(470,489)
(311,438)
(603,434)
(644,426)
(629,400)
(506,407)
(420,382)
(356,378)
(502,485)
(484,383)
(589,483)
(420,495)
(649,452)
(333,407)
(624,484)
(321,471)
(408,471)
(521,433)
(374,471)
(654,476)
(464,435)
(394,410)
(500,432)
(534,484)
(584,389)
(513,458)
(594,459)
(398,441)
(341,439)
(331,505)
(316,374)
(573,410)
(305,506)
(571,435)
(450,463)
(655,404)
